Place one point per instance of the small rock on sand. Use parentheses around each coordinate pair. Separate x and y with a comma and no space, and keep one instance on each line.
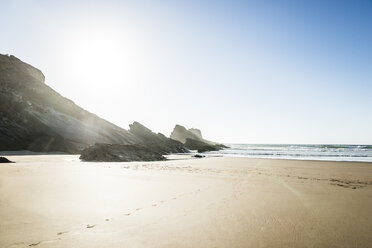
(5,160)
(198,156)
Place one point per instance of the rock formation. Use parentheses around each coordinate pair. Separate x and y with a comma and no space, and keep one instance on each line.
(200,146)
(197,132)
(180,133)
(34,117)
(156,142)
(193,139)
(119,153)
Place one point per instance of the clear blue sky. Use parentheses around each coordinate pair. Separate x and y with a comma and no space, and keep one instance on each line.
(241,71)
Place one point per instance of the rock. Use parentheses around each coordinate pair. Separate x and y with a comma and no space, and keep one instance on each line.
(221,146)
(196,140)
(156,142)
(180,134)
(197,132)
(119,153)
(5,160)
(35,117)
(198,156)
(200,146)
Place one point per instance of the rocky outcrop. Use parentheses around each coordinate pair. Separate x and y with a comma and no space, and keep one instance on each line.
(200,146)
(119,153)
(35,117)
(193,139)
(197,132)
(5,160)
(156,142)
(180,133)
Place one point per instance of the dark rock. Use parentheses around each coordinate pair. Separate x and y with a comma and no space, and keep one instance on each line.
(221,146)
(35,117)
(156,142)
(198,156)
(5,160)
(119,153)
(200,146)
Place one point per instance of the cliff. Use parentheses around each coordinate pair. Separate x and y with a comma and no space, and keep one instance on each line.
(35,117)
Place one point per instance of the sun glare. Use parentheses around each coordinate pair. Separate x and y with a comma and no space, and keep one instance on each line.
(104,56)
(97,56)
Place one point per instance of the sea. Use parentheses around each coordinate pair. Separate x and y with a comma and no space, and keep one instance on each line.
(359,153)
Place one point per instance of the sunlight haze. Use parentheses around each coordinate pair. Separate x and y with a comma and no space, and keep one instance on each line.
(249,72)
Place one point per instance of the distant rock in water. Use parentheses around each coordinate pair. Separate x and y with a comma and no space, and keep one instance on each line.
(200,146)
(193,139)
(119,153)
(156,142)
(5,160)
(35,117)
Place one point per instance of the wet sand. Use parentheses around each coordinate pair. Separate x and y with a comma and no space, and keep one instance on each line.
(58,201)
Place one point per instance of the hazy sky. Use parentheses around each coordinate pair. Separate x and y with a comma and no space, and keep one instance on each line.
(241,71)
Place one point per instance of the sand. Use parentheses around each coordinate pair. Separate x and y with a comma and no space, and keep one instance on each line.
(58,201)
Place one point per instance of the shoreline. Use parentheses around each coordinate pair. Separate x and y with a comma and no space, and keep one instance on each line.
(178,156)
(292,159)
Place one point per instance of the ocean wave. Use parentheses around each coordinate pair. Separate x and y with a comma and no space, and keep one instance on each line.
(300,151)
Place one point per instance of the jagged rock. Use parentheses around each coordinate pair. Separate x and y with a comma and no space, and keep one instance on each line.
(200,146)
(197,132)
(35,117)
(156,142)
(180,133)
(195,138)
(5,160)
(119,153)
(221,146)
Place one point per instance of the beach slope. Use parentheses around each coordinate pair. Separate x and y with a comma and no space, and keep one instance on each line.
(58,201)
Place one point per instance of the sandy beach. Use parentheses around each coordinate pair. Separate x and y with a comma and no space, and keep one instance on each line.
(58,201)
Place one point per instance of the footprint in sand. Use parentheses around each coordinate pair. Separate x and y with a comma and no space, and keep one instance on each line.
(154,205)
(35,244)
(127,214)
(43,241)
(107,219)
(137,209)
(90,226)
(174,198)
(60,233)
